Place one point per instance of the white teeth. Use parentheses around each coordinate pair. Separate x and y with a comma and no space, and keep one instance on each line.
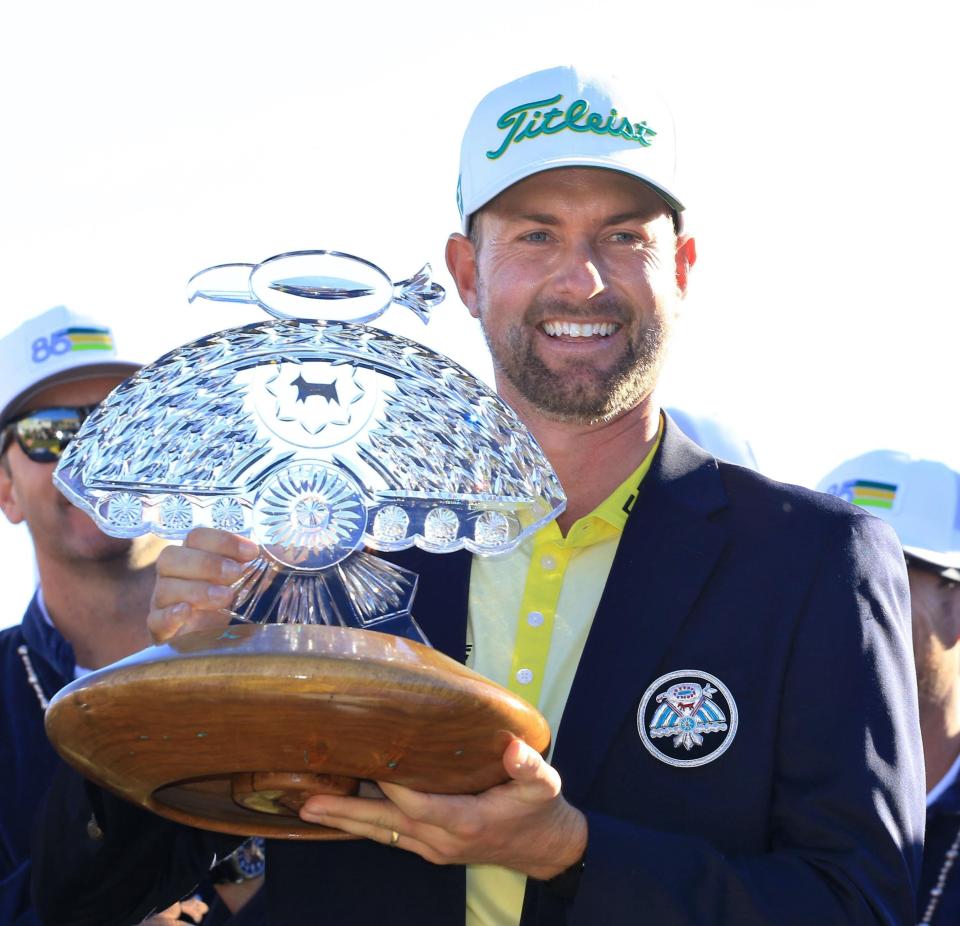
(577,330)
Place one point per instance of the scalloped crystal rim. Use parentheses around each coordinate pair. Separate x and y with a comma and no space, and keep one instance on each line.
(187,426)
(150,506)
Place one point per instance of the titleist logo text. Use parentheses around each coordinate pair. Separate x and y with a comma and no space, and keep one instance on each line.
(528,120)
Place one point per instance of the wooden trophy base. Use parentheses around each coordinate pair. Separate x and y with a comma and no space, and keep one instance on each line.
(231,730)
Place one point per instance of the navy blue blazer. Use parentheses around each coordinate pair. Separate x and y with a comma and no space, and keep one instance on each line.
(796,602)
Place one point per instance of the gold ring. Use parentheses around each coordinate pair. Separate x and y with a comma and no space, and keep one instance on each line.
(394,837)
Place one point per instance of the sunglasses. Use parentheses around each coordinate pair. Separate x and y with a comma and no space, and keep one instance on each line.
(43,434)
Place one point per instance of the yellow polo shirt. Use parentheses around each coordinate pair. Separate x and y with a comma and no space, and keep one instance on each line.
(558,582)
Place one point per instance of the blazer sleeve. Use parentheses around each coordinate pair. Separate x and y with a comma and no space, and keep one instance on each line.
(128,864)
(848,799)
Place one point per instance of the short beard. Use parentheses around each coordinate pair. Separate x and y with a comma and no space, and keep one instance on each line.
(581,394)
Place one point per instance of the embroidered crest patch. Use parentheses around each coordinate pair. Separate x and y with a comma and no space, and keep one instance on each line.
(687,718)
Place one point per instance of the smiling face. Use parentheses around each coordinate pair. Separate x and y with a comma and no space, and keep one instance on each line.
(27,494)
(576,278)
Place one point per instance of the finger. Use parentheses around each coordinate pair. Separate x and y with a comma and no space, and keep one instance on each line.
(211,540)
(201,595)
(165,623)
(425,817)
(405,841)
(170,915)
(195,908)
(429,842)
(417,805)
(359,828)
(369,811)
(528,768)
(189,563)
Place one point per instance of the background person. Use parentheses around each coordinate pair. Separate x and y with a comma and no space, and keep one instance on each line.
(93,591)
(921,500)
(670,581)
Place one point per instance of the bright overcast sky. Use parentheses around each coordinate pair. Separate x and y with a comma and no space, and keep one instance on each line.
(817,154)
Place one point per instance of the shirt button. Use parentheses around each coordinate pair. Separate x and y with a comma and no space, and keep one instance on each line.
(548,563)
(535,619)
(525,676)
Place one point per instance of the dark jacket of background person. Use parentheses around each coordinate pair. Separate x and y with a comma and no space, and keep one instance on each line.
(36,662)
(27,759)
(943,831)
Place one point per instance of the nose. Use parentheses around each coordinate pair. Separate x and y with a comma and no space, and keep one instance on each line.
(579,275)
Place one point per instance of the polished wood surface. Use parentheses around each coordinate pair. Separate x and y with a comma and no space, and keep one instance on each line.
(231,730)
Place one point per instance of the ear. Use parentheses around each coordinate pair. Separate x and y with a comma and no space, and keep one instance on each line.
(686,257)
(462,264)
(951,609)
(8,496)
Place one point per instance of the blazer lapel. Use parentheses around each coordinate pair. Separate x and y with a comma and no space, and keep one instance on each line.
(666,554)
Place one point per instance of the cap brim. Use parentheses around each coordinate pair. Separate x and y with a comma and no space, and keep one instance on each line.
(944,561)
(602,163)
(121,368)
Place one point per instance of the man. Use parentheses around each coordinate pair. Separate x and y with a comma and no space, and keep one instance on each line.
(93,589)
(921,500)
(724,661)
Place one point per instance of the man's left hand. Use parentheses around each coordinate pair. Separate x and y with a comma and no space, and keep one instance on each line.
(524,824)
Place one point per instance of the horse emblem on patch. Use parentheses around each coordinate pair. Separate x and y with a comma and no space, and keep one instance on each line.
(687,718)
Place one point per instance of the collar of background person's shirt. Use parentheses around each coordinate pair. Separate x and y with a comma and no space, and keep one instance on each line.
(78,671)
(937,791)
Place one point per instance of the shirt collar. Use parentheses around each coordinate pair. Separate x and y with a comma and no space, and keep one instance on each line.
(42,608)
(616,507)
(45,641)
(609,518)
(944,784)
(78,671)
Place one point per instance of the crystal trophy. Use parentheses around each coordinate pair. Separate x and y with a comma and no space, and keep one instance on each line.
(328,442)
(320,438)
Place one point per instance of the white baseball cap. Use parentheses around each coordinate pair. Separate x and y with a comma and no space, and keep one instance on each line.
(56,346)
(563,117)
(919,498)
(715,437)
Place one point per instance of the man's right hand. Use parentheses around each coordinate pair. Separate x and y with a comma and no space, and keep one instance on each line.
(193,589)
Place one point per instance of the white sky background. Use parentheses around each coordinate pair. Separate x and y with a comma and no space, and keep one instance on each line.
(817,155)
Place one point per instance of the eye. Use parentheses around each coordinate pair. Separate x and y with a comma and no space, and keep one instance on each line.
(536,236)
(626,237)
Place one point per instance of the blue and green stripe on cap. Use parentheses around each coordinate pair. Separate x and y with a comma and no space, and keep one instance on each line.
(869,494)
(87,338)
